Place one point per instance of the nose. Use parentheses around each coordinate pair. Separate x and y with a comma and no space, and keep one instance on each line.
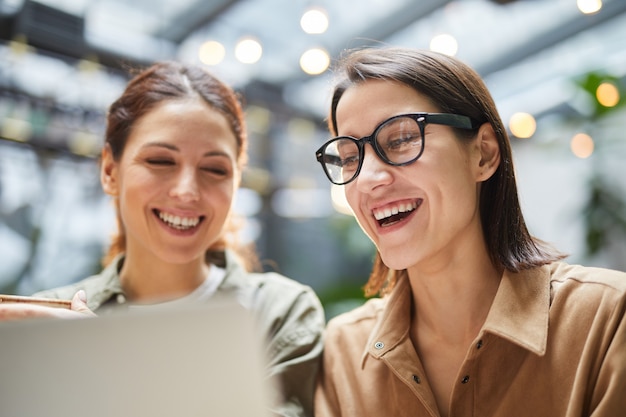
(374,171)
(185,187)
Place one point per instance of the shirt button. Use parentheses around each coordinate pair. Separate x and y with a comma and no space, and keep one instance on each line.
(465,379)
(479,344)
(379,345)
(121,299)
(417,379)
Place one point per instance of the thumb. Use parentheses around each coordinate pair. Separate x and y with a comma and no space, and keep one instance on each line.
(79,303)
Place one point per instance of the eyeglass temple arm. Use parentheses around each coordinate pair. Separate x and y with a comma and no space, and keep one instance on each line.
(454,120)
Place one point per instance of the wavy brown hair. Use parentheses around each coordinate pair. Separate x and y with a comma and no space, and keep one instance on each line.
(166,81)
(453,87)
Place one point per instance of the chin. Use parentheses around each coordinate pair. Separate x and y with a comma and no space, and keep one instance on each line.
(174,257)
(395,260)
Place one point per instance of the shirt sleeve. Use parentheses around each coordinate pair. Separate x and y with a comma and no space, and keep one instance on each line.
(326,403)
(608,399)
(294,321)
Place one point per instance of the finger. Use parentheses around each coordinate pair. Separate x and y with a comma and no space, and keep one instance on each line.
(19,311)
(79,303)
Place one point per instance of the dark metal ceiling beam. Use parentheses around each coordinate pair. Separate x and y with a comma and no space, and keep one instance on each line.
(373,35)
(198,14)
(552,37)
(378,31)
(384,28)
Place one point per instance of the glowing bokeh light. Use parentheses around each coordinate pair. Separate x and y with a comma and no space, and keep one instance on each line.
(211,53)
(607,94)
(522,125)
(445,44)
(314,21)
(589,6)
(314,61)
(248,51)
(582,145)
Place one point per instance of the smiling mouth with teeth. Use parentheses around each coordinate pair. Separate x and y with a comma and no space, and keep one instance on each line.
(177,222)
(393,214)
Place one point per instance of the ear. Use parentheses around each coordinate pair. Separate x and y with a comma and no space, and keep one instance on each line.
(109,172)
(489,152)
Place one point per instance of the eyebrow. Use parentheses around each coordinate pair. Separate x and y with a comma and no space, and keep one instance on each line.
(175,148)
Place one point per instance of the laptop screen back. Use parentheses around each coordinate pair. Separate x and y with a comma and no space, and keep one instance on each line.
(196,361)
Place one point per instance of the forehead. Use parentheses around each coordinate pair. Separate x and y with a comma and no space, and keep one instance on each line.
(189,109)
(182,121)
(365,105)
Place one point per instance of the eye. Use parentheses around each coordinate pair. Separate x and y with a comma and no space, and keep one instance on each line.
(348,154)
(350,162)
(401,143)
(216,170)
(160,161)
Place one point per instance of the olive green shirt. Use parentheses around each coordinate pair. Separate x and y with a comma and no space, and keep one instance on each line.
(553,344)
(289,313)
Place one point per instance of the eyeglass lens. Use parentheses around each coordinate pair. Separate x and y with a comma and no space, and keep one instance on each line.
(397,141)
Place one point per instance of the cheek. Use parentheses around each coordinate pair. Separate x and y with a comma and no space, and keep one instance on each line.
(351,194)
(133,177)
(352,198)
(136,188)
(221,196)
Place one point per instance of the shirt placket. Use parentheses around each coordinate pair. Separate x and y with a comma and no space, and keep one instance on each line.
(464,390)
(403,361)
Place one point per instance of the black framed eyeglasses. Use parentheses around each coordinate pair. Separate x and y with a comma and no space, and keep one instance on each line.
(398,141)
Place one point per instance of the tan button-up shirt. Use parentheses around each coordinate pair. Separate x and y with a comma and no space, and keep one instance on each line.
(553,345)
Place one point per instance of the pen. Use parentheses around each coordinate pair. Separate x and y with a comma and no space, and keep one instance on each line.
(50,302)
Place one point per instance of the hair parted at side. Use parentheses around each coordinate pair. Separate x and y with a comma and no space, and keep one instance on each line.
(168,81)
(453,87)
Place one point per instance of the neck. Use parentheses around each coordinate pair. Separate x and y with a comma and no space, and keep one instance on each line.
(146,280)
(452,303)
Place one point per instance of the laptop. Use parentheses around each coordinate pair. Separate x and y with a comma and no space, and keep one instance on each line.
(200,360)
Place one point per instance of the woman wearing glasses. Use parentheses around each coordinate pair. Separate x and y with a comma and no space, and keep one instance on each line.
(477,317)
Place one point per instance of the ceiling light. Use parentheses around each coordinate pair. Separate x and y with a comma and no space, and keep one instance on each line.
(211,53)
(445,44)
(248,51)
(314,61)
(522,125)
(589,6)
(314,21)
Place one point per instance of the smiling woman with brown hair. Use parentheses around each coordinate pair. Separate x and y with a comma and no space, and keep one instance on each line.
(172,162)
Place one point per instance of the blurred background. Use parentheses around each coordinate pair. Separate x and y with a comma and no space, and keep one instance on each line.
(556,68)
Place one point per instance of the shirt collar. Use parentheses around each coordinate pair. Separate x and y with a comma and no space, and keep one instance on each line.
(521,308)
(107,285)
(393,324)
(519,313)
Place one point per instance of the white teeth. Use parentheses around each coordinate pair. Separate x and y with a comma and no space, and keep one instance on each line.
(393,210)
(177,222)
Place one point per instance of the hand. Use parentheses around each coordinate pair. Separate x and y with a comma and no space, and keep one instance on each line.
(19,311)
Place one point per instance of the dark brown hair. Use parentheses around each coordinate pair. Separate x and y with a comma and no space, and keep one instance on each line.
(165,81)
(453,87)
